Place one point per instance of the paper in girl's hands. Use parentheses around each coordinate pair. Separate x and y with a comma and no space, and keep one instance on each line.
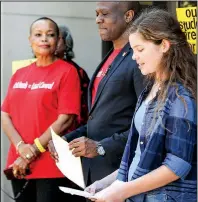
(77,192)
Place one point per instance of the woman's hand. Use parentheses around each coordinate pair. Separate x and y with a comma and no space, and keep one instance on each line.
(20,167)
(112,193)
(28,152)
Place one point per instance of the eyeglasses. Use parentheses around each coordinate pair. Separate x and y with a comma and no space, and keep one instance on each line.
(19,193)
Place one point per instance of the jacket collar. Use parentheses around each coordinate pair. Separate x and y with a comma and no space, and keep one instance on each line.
(115,64)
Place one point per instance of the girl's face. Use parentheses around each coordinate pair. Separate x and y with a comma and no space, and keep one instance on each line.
(147,54)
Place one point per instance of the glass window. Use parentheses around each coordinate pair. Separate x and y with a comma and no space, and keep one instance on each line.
(159,4)
(184,4)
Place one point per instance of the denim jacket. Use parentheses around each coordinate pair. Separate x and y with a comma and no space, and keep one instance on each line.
(171,142)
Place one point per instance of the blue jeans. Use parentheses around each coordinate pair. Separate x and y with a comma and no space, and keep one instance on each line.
(168,197)
(161,197)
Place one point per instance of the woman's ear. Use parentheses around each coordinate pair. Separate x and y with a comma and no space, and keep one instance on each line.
(165,45)
(30,41)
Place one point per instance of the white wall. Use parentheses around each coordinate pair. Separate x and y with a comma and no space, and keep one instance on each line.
(16,18)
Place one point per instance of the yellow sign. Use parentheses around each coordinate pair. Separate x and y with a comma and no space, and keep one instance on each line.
(187,18)
(21,63)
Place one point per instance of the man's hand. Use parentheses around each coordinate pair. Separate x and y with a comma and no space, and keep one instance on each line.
(83,147)
(52,150)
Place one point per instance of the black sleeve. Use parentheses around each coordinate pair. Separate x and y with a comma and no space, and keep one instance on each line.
(118,140)
(79,132)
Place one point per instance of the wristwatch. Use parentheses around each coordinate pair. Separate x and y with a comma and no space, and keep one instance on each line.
(100,149)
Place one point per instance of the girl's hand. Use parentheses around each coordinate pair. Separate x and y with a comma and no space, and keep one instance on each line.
(112,193)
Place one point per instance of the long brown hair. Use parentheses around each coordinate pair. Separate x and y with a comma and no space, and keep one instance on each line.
(178,63)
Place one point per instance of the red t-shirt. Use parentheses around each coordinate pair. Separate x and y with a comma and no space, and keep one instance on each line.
(35,98)
(102,72)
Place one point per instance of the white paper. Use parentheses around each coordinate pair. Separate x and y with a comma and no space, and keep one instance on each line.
(68,164)
(77,192)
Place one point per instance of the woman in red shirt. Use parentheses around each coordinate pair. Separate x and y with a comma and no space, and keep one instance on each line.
(42,95)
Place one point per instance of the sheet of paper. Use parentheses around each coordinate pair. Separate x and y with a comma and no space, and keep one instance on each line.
(77,192)
(68,164)
(17,64)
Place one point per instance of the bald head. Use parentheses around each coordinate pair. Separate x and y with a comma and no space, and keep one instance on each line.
(114,18)
(46,19)
(130,5)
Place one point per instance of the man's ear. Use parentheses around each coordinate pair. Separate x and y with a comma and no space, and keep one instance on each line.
(129,16)
(165,45)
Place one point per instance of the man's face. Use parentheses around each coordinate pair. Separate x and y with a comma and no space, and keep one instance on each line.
(110,20)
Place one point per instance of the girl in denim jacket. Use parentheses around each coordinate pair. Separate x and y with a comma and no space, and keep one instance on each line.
(159,161)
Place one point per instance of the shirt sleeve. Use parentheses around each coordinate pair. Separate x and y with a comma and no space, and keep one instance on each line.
(5,107)
(69,93)
(181,139)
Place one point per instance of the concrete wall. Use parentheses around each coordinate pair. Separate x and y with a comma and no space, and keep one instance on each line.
(16,18)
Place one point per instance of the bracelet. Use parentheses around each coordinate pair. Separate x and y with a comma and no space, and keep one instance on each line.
(18,144)
(39,145)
